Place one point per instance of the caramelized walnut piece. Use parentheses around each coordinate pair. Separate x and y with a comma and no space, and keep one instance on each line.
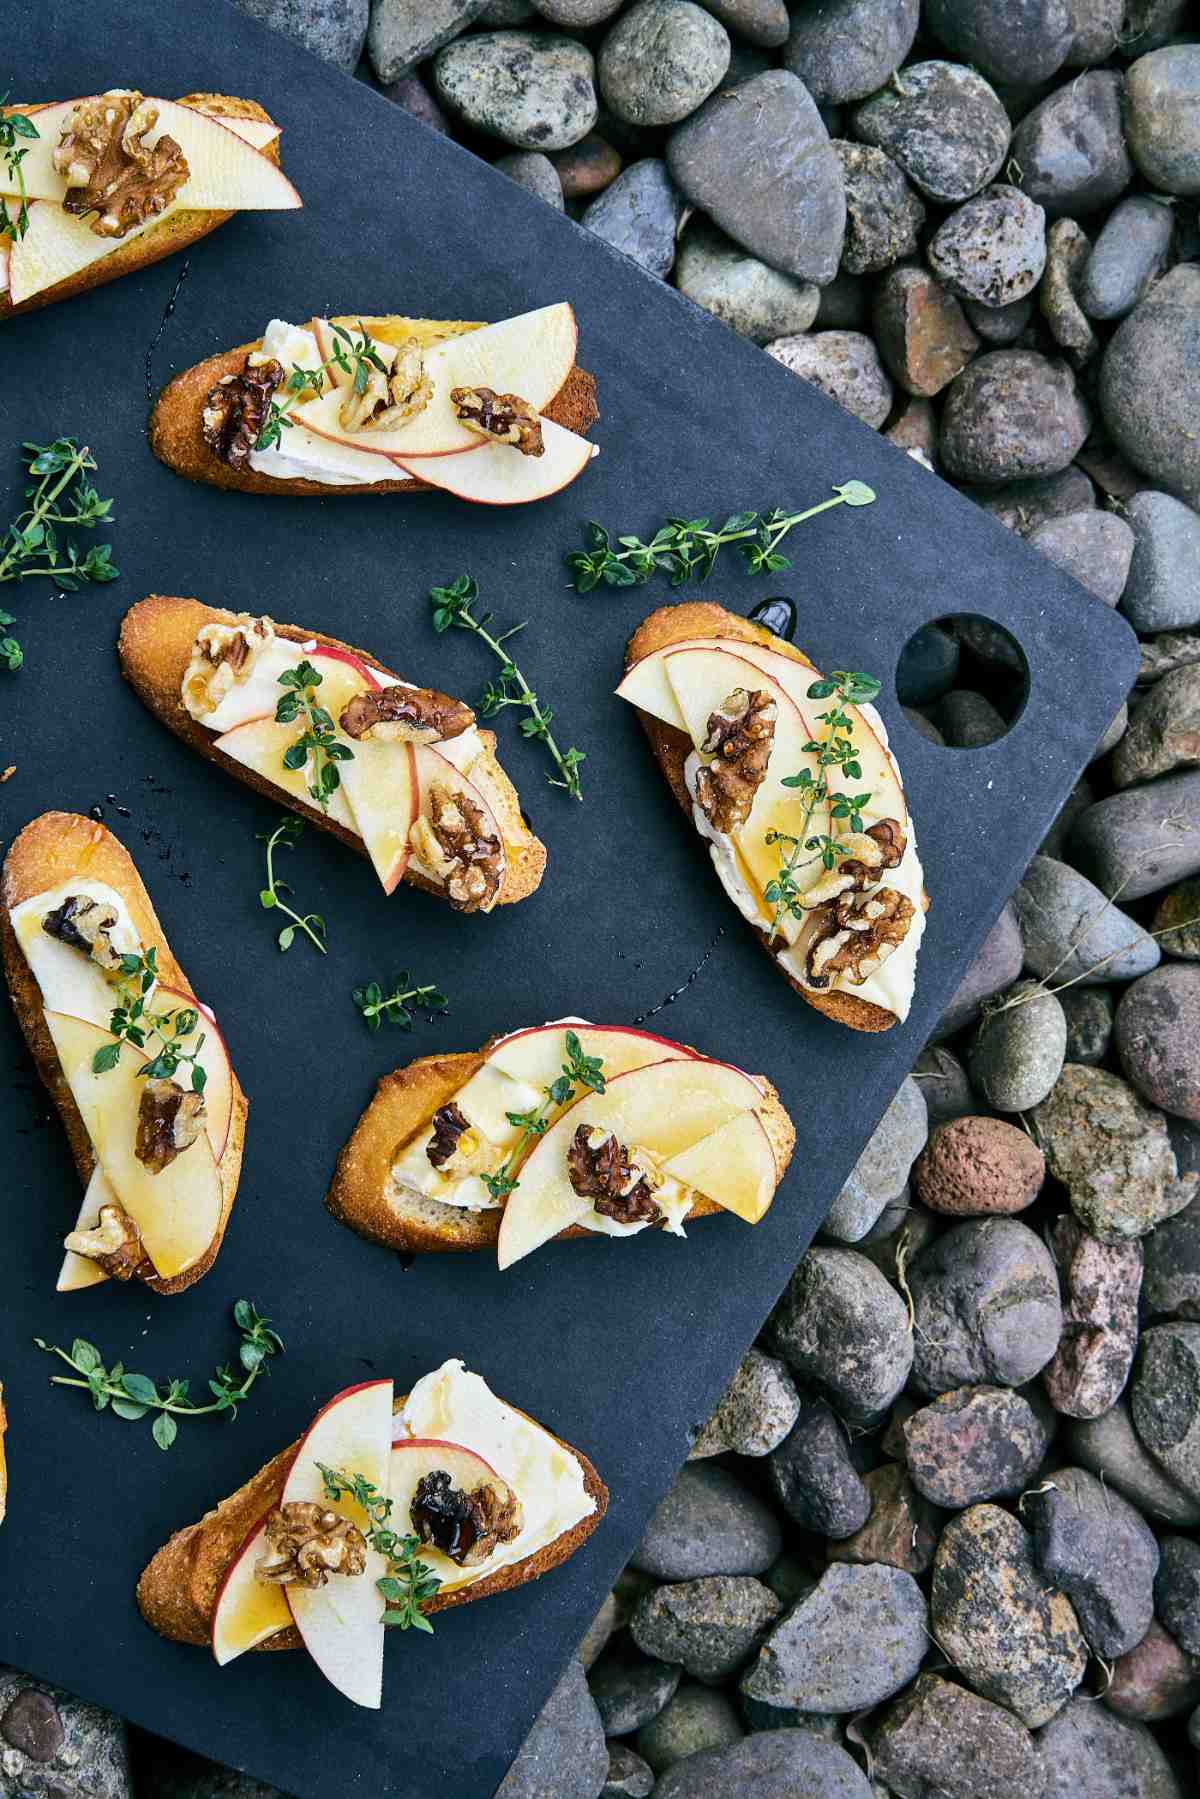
(169,1121)
(391,399)
(464,1526)
(110,170)
(472,861)
(85,924)
(865,855)
(502,418)
(857,935)
(115,1242)
(448,1126)
(406,715)
(740,735)
(236,409)
(308,1543)
(601,1169)
(223,656)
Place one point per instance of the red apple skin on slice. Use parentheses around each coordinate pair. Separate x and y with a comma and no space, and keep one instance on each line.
(412,1459)
(248,1610)
(380,782)
(214,1059)
(341,1623)
(536,1055)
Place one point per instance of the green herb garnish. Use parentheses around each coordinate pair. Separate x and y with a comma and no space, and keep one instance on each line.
(452,607)
(318,746)
(408,1580)
(15,125)
(686,548)
(131,1396)
(271,898)
(355,359)
(399,1003)
(132,1022)
(37,543)
(586,1071)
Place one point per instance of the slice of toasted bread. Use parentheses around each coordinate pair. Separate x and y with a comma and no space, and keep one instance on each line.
(179,1588)
(177,439)
(155,647)
(51,849)
(177,232)
(404,1103)
(702,618)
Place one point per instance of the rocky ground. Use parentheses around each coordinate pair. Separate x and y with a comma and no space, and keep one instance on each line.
(940,1538)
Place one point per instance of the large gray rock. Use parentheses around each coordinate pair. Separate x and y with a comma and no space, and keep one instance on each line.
(404,32)
(883,214)
(1093,547)
(815,1479)
(1177,1592)
(708,1523)
(530,88)
(755,300)
(1130,252)
(1100,1551)
(1162,117)
(661,60)
(575,15)
(938,1741)
(857,1638)
(992,248)
(759,162)
(52,1743)
(987,1308)
(1112,1153)
(976,1443)
(943,124)
(1172,1280)
(944,1085)
(1157,1035)
(1018,42)
(1163,734)
(1097,26)
(995,967)
(844,365)
(755,1413)
(1012,414)
(535,173)
(708,1626)
(565,1755)
(639,215)
(772,1764)
(761,22)
(1086,1748)
(1070,149)
(334,30)
(1163,590)
(629,1689)
(1018,1050)
(880,1174)
(1144,839)
(846,49)
(1150,384)
(842,1327)
(697,1719)
(1111,1448)
(629,1777)
(1071,932)
(1024,506)
(1164,1398)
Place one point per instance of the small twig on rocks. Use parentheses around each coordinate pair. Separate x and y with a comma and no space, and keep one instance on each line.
(1047,1486)
(903,1246)
(854,1735)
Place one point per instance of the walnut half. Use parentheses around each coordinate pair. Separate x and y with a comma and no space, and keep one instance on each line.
(465,1526)
(601,1169)
(86,924)
(308,1543)
(109,168)
(454,842)
(115,1242)
(857,936)
(503,418)
(169,1121)
(740,736)
(223,656)
(406,715)
(391,399)
(236,409)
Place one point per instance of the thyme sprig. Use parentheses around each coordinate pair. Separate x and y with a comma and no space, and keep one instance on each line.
(271,897)
(131,1396)
(354,359)
(409,1580)
(835,750)
(318,747)
(15,125)
(133,1022)
(397,1005)
(577,1071)
(686,548)
(38,544)
(452,607)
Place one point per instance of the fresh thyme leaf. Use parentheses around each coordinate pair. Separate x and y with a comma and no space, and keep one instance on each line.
(452,608)
(271,897)
(409,1581)
(130,1396)
(131,1022)
(686,549)
(13,126)
(578,1070)
(318,747)
(398,1005)
(39,541)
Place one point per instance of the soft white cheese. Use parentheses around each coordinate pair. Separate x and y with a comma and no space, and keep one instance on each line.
(484,1101)
(675,1199)
(456,1407)
(70,981)
(301,455)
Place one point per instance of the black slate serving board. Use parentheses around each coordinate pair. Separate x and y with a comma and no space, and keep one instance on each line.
(622,1348)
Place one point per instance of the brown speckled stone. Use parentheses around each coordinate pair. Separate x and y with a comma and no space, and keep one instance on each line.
(587,168)
(977,1443)
(975,1166)
(32,1725)
(1155,1680)
(902,1529)
(1100,1285)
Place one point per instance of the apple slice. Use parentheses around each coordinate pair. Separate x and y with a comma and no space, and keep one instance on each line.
(412,1459)
(248,1610)
(530,355)
(260,692)
(536,1056)
(734,1165)
(259,132)
(501,476)
(259,745)
(214,1059)
(4,265)
(664,1107)
(342,1622)
(177,1211)
(433,766)
(382,789)
(68,978)
(79,1272)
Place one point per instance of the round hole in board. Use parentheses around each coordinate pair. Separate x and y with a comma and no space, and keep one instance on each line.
(962,681)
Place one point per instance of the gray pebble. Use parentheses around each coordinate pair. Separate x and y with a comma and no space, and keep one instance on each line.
(334,30)
(987,1307)
(1089,1014)
(760,163)
(996,965)
(883,214)
(1069,153)
(565,1753)
(940,1740)
(880,1174)
(755,300)
(1089,1747)
(1177,1592)
(629,1689)
(1164,1398)
(772,1764)
(815,1480)
(411,94)
(1111,1152)
(1067,252)
(921,724)
(1012,414)
(1111,1448)
(1143,839)
(1071,932)
(844,365)
(944,1085)
(927,666)
(992,248)
(1022,506)
(500,14)
(535,173)
(1163,590)
(1162,117)
(708,1523)
(976,1443)
(1157,1037)
(943,124)
(600,1631)
(629,1777)
(404,32)
(577,15)
(1172,1282)
(842,1327)
(1018,42)
(639,215)
(1017,1054)
(696,1719)
(969,721)
(761,22)
(709,1626)
(661,59)
(532,89)
(922,331)
(1164,731)
(857,1638)
(844,304)
(1057,838)
(1000,326)
(1097,27)
(48,1740)
(1130,253)
(1095,548)
(1149,387)
(1100,1551)
(756,1412)
(846,49)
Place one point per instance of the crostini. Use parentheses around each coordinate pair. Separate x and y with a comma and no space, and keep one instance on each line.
(403,774)
(491,413)
(389,1509)
(788,777)
(564,1130)
(99,187)
(133,1061)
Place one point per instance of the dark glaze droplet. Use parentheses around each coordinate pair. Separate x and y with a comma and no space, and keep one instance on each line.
(778,615)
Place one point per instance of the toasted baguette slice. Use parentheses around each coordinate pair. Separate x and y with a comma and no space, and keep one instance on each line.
(50,850)
(671,747)
(178,1590)
(177,232)
(403,1104)
(155,646)
(177,439)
